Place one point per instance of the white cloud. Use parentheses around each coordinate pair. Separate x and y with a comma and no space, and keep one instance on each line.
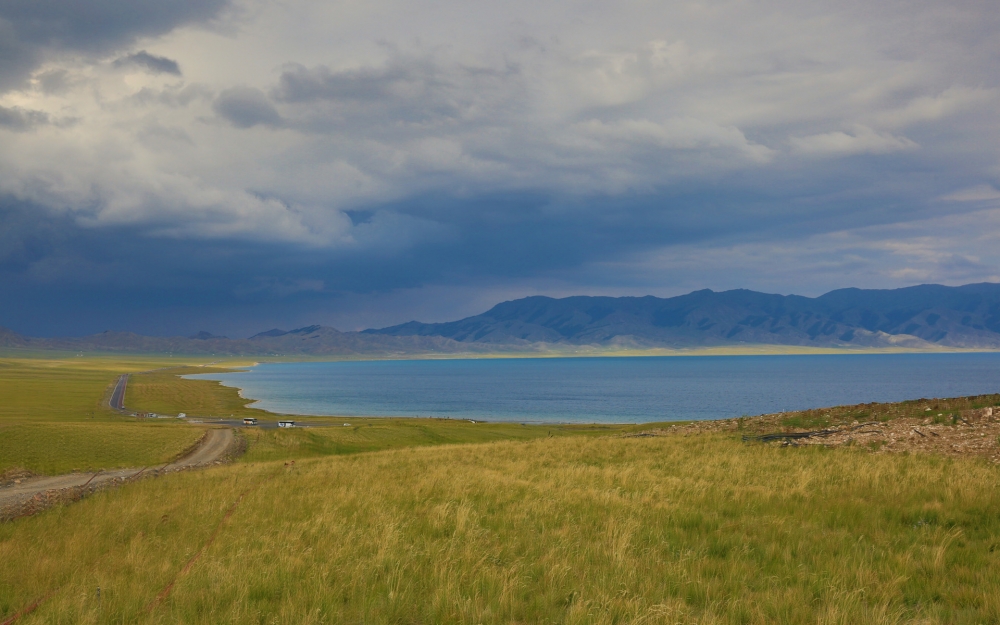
(685,134)
(861,140)
(927,108)
(952,249)
(299,111)
(979,193)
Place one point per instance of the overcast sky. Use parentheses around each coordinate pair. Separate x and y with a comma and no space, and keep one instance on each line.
(168,166)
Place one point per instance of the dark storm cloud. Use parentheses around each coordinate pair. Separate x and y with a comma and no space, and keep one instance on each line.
(30,29)
(19,120)
(301,84)
(407,88)
(119,277)
(503,149)
(151,63)
(245,107)
(62,279)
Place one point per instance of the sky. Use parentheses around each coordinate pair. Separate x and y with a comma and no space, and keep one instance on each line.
(170,166)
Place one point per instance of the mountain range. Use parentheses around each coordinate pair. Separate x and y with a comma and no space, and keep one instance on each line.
(924,316)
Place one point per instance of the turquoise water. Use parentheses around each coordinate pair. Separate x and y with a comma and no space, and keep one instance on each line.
(609,390)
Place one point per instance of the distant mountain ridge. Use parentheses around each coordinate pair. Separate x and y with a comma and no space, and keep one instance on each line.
(924,316)
(965,316)
(309,341)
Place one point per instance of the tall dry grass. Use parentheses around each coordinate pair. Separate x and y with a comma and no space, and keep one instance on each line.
(569,530)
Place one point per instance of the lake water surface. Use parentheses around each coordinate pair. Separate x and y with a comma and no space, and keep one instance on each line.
(609,390)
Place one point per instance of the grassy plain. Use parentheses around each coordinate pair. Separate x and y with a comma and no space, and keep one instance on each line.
(702,529)
(438,521)
(163,391)
(54,416)
(364,435)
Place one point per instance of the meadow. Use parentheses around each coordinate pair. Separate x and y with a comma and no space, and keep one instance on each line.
(437,521)
(163,391)
(54,416)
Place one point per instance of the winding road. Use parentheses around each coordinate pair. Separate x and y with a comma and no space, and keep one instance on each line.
(211,449)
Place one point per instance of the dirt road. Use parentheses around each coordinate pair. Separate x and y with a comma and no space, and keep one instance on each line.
(15,497)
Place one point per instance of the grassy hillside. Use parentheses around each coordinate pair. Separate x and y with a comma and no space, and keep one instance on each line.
(572,530)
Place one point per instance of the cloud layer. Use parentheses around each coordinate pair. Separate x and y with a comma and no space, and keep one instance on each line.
(318,158)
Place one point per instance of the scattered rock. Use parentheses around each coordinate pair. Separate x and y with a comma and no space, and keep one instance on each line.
(968,432)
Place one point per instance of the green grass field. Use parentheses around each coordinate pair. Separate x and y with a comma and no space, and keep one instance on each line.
(441,521)
(54,416)
(55,448)
(163,391)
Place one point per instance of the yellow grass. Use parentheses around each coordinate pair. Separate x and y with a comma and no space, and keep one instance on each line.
(543,527)
(565,530)
(375,434)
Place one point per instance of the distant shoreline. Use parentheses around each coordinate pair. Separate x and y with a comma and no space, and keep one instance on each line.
(244,360)
(584,352)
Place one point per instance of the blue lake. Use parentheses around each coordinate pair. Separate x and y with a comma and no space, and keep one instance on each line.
(609,390)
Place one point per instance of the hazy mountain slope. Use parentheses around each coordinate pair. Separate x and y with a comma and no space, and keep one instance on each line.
(966,316)
(312,340)
(920,316)
(9,338)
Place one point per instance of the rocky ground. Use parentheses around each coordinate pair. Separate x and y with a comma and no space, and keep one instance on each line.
(951,427)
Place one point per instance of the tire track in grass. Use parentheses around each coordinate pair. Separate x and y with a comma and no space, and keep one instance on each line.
(163,594)
(30,608)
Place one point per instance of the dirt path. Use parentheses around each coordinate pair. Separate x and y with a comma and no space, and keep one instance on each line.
(212,448)
(19,498)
